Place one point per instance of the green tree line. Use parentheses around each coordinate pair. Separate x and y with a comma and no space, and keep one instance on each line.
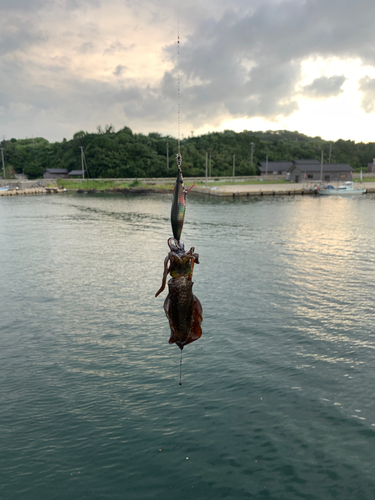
(111,154)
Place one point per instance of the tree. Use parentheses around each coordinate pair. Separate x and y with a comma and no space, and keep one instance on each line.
(79,135)
(124,154)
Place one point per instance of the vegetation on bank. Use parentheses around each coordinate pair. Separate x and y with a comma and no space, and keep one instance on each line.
(92,184)
(240,183)
(105,185)
(123,154)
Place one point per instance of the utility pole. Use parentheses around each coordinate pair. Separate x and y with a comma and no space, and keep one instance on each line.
(321,167)
(252,152)
(330,152)
(234,166)
(167,155)
(209,169)
(83,168)
(206,167)
(266,166)
(2,158)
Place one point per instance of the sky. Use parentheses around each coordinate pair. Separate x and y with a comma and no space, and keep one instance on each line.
(72,65)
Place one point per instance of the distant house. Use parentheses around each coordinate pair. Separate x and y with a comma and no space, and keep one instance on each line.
(310,171)
(56,173)
(274,167)
(75,173)
(371,167)
(306,162)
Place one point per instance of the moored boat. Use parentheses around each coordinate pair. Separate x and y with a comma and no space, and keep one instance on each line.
(4,188)
(345,189)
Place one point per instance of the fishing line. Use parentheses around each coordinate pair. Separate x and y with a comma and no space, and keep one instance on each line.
(179,119)
(182,308)
(178,78)
(180,368)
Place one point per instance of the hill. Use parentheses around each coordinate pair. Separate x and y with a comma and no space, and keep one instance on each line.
(111,154)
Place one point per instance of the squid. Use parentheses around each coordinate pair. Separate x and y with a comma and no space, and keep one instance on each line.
(182,308)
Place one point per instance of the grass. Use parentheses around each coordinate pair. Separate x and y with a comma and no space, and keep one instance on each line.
(365,179)
(135,183)
(99,185)
(91,184)
(168,187)
(259,182)
(102,185)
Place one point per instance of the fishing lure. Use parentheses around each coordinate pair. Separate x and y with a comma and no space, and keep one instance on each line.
(182,307)
(179,203)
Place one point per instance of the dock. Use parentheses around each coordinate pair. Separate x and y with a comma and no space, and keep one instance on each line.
(250,190)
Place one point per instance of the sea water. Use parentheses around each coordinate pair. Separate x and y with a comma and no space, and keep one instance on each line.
(277,397)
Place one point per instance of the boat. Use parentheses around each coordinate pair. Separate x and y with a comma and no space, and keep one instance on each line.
(4,188)
(345,189)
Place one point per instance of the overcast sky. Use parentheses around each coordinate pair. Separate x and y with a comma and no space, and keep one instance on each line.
(70,65)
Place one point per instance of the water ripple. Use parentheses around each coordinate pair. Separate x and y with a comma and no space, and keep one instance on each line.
(277,396)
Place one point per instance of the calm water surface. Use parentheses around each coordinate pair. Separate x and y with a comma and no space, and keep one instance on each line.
(277,400)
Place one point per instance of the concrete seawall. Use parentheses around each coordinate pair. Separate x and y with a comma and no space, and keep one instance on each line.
(251,190)
(228,190)
(30,191)
(247,190)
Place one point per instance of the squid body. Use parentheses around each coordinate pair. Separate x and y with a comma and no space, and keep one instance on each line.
(182,308)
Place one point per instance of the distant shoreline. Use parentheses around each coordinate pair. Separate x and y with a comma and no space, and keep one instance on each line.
(220,187)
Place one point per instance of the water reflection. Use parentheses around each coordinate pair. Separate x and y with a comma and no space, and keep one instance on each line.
(278,393)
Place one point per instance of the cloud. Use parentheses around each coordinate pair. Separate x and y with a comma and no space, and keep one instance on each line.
(324,87)
(82,4)
(22,5)
(367,87)
(120,69)
(118,47)
(85,48)
(37,5)
(234,74)
(238,59)
(248,63)
(19,36)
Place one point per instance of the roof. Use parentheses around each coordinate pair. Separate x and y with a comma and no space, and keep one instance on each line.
(306,162)
(275,165)
(327,167)
(57,170)
(75,172)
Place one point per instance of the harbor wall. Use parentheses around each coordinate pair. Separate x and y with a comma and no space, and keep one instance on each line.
(26,184)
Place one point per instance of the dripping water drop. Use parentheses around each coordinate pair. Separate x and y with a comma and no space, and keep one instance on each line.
(180,368)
